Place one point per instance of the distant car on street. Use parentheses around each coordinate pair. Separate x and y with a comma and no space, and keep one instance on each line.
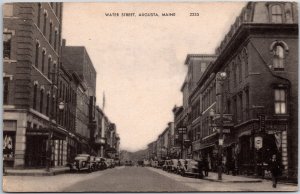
(128,163)
(167,164)
(180,165)
(100,163)
(154,163)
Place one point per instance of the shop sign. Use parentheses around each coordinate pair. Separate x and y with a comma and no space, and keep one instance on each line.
(258,142)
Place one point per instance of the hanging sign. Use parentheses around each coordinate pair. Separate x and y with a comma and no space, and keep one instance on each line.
(258,142)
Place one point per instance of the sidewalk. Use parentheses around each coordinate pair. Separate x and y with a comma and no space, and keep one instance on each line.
(213,176)
(36,172)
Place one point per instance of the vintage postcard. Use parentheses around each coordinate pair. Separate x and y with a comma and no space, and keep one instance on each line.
(150,96)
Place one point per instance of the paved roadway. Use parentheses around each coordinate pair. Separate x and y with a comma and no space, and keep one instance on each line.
(128,179)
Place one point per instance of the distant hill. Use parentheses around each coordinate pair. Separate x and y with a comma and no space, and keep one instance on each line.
(134,156)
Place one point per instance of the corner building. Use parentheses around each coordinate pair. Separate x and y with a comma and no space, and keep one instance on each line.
(260,56)
(31,40)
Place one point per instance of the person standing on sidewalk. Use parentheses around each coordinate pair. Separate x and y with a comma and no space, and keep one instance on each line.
(275,168)
(205,166)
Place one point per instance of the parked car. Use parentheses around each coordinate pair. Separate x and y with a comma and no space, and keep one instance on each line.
(173,166)
(167,164)
(160,163)
(83,162)
(190,167)
(154,163)
(180,166)
(110,163)
(100,163)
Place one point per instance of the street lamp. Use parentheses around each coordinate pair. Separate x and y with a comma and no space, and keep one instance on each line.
(221,76)
(61,107)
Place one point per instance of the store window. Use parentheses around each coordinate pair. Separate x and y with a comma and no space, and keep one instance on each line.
(9,138)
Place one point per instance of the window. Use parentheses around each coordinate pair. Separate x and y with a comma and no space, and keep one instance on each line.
(39,15)
(50,32)
(241,107)
(203,66)
(49,67)
(37,45)
(55,40)
(276,14)
(280,101)
(7,45)
(45,23)
(53,72)
(5,90)
(48,103)
(247,104)
(240,69)
(34,96)
(278,60)
(245,61)
(234,74)
(43,61)
(41,100)
(8,10)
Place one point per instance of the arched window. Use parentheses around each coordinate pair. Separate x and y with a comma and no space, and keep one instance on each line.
(43,61)
(50,32)
(37,51)
(48,103)
(278,59)
(41,100)
(34,96)
(276,14)
(45,23)
(49,67)
(39,15)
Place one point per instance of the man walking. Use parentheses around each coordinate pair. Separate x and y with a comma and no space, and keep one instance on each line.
(275,168)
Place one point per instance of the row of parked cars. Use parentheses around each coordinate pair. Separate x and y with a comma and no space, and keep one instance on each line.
(86,162)
(179,166)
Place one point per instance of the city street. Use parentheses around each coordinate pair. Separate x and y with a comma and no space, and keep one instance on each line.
(128,179)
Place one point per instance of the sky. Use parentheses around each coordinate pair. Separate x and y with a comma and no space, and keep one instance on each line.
(140,60)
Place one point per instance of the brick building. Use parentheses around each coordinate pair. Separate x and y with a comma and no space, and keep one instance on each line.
(259,55)
(31,40)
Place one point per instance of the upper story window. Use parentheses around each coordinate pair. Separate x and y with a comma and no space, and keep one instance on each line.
(37,52)
(34,96)
(276,14)
(7,45)
(45,23)
(5,90)
(280,101)
(39,15)
(43,61)
(8,10)
(279,49)
(41,100)
(278,57)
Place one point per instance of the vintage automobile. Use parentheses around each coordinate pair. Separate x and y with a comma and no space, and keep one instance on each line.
(180,166)
(100,163)
(110,163)
(173,166)
(190,167)
(167,164)
(83,162)
(154,163)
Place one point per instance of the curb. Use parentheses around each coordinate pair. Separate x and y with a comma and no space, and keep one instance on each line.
(52,173)
(228,181)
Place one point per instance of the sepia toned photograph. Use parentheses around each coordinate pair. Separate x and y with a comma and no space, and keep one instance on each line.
(150,96)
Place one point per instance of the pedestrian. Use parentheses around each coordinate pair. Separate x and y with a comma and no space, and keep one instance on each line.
(200,168)
(276,169)
(205,166)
